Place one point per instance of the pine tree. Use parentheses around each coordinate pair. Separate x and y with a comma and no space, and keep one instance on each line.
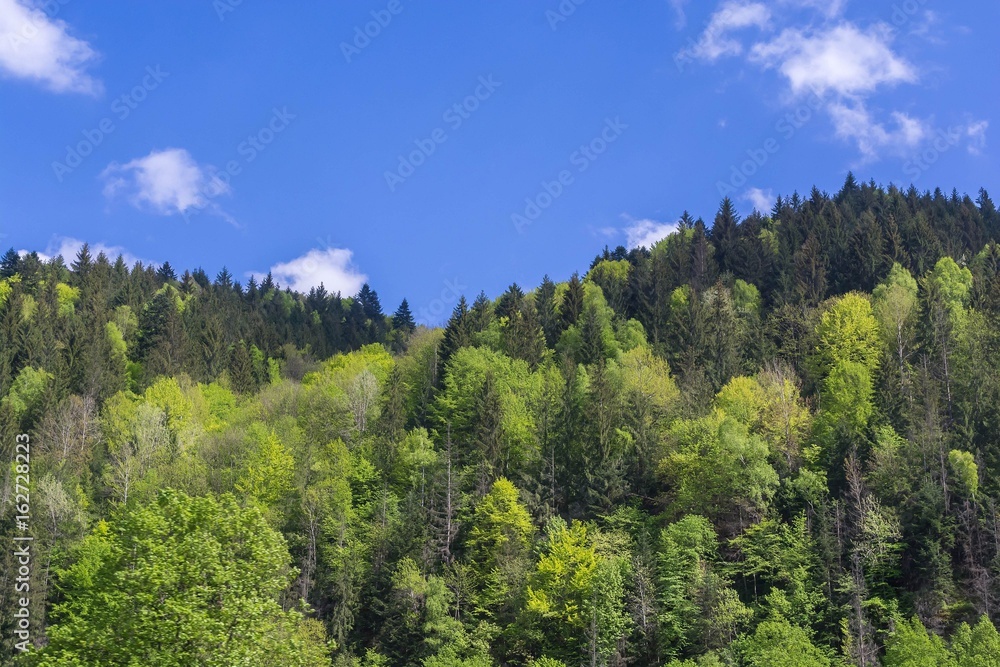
(241,369)
(545,306)
(457,333)
(224,279)
(402,320)
(572,302)
(369,302)
(481,315)
(9,263)
(725,235)
(81,267)
(166,273)
(509,302)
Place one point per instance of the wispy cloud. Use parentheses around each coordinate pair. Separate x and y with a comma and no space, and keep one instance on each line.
(37,47)
(645,233)
(331,267)
(976,133)
(717,40)
(840,63)
(762,200)
(68,247)
(167,182)
(853,121)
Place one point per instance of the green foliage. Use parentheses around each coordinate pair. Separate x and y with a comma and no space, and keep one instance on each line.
(575,594)
(741,457)
(717,468)
(27,391)
(848,333)
(778,643)
(132,593)
(911,645)
(698,609)
(978,646)
(268,471)
(778,563)
(966,472)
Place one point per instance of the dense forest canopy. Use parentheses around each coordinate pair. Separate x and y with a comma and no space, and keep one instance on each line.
(770,441)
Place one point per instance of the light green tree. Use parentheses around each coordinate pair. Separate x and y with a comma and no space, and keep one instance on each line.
(715,467)
(778,643)
(498,544)
(698,608)
(181,581)
(911,645)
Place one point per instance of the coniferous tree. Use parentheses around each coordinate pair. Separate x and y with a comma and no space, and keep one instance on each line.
(548,316)
(572,302)
(241,373)
(457,333)
(83,262)
(402,319)
(9,263)
(725,235)
(166,273)
(481,314)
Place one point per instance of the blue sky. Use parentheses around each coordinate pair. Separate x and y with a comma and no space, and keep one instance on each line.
(462,145)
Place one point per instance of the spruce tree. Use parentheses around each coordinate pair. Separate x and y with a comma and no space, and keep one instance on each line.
(457,333)
(9,263)
(725,235)
(402,320)
(81,267)
(241,374)
(572,302)
(224,278)
(369,302)
(481,314)
(166,273)
(545,305)
(509,302)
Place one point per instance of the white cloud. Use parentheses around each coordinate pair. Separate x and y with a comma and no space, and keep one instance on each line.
(734,15)
(167,182)
(762,200)
(848,65)
(844,60)
(331,267)
(842,64)
(976,132)
(645,233)
(853,121)
(67,247)
(38,47)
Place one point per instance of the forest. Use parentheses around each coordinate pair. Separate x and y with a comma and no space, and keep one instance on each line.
(770,441)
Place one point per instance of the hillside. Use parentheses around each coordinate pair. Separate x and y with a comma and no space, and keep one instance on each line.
(763,441)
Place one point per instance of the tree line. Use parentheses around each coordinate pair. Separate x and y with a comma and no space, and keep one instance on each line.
(762,441)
